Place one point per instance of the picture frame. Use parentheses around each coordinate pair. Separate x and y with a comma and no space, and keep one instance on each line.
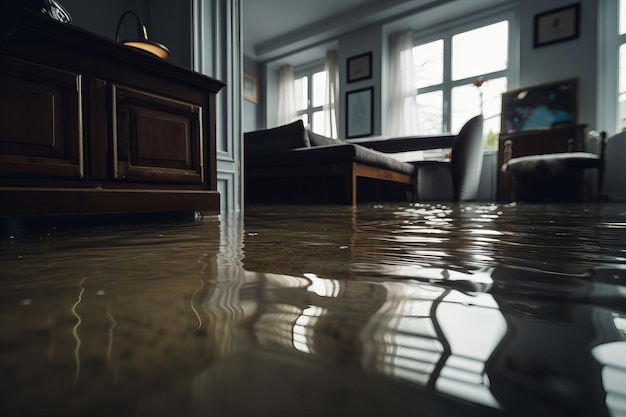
(557,25)
(359,67)
(359,113)
(250,87)
(539,107)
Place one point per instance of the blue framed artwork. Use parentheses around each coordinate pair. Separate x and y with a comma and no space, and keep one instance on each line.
(359,118)
(543,106)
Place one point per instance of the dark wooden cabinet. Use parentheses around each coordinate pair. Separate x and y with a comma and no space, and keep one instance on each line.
(535,142)
(90,126)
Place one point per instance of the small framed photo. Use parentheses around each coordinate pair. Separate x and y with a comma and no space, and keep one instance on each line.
(250,87)
(360,67)
(359,114)
(557,25)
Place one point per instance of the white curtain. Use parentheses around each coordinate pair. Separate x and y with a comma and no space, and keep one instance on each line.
(332,93)
(286,96)
(402,110)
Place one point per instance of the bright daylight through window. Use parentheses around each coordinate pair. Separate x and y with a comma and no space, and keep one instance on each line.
(622,65)
(311,99)
(460,74)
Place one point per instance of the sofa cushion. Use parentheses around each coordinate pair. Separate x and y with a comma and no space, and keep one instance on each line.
(329,154)
(320,140)
(289,136)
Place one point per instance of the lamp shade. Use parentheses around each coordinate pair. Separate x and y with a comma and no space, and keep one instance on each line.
(141,40)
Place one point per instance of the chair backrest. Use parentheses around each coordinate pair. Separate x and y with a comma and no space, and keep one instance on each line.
(467,160)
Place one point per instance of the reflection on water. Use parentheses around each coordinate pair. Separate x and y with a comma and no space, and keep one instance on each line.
(374,310)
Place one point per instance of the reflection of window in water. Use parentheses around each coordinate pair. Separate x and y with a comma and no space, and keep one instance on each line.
(437,338)
(612,356)
(290,326)
(276,326)
(302,332)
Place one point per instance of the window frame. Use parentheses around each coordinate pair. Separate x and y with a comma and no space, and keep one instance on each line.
(609,42)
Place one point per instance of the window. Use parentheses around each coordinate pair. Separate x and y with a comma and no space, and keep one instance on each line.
(621,40)
(311,98)
(458,76)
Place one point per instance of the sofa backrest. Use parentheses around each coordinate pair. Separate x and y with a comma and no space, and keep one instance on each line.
(289,136)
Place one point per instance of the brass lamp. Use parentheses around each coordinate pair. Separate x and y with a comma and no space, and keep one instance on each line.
(141,42)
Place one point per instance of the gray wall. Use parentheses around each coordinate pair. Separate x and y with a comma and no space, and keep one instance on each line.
(252,112)
(168,22)
(355,43)
(100,17)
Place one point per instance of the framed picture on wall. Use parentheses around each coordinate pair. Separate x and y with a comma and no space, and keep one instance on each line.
(359,113)
(250,87)
(543,106)
(360,67)
(557,25)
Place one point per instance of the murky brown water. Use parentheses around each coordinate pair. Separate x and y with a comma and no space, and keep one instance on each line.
(388,310)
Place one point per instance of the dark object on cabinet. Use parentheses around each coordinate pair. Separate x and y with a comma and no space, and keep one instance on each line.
(89,126)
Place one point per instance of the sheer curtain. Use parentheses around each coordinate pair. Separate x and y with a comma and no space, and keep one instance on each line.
(332,93)
(403,103)
(286,96)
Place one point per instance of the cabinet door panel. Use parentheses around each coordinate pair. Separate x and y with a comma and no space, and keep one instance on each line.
(163,139)
(20,98)
(40,120)
(157,139)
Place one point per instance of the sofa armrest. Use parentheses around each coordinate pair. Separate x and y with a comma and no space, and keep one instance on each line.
(405,144)
(328,154)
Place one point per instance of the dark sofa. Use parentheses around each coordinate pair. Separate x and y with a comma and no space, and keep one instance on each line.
(291,165)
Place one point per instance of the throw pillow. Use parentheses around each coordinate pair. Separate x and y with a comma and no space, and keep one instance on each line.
(319,140)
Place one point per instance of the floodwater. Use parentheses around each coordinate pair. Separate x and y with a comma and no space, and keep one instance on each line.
(389,310)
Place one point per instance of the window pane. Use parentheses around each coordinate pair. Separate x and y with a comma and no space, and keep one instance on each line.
(480,51)
(305,119)
(466,102)
(622,86)
(302,92)
(428,61)
(492,97)
(465,105)
(319,89)
(320,125)
(622,17)
(492,109)
(430,113)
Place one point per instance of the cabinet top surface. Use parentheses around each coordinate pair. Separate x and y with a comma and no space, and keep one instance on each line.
(27,35)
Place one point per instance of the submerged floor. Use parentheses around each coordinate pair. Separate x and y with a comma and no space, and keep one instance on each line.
(390,310)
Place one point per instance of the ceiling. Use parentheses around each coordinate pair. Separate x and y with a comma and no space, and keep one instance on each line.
(266,19)
(277,28)
(269,25)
